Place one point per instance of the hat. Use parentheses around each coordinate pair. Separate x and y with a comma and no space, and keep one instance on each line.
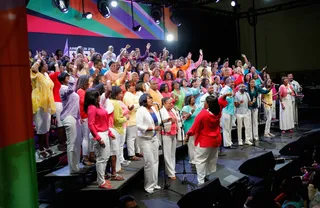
(110,63)
(62,76)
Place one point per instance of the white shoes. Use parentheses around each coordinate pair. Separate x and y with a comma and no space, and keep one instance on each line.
(157,187)
(248,143)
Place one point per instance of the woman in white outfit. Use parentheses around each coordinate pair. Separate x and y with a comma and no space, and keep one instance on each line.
(148,122)
(170,122)
(286,110)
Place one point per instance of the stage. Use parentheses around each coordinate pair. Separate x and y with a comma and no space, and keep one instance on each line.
(64,189)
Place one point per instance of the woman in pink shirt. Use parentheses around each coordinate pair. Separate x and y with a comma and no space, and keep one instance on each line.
(98,121)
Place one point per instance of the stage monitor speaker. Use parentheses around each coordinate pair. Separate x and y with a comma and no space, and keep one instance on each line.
(304,146)
(259,166)
(210,194)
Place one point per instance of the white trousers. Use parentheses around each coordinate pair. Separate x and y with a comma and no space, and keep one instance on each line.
(254,121)
(102,156)
(42,121)
(114,147)
(150,149)
(74,140)
(87,144)
(58,113)
(132,141)
(206,162)
(227,126)
(122,140)
(268,113)
(246,119)
(169,153)
(179,137)
(191,149)
(295,111)
(274,111)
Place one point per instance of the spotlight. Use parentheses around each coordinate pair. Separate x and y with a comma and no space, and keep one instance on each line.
(136,28)
(114,3)
(170,37)
(156,14)
(175,18)
(233,3)
(87,15)
(217,1)
(63,5)
(104,9)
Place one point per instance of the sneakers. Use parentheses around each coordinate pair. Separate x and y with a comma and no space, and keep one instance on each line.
(248,143)
(240,143)
(157,187)
(272,135)
(125,163)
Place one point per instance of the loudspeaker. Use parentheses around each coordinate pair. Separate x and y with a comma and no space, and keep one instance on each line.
(210,194)
(304,146)
(259,166)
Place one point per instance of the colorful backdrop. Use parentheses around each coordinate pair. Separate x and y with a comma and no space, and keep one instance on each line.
(50,29)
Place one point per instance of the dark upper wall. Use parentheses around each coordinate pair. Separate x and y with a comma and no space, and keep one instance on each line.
(286,40)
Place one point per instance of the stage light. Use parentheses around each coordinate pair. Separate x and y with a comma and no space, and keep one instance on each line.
(217,1)
(170,37)
(62,5)
(114,3)
(104,9)
(233,3)
(156,14)
(87,15)
(136,28)
(175,18)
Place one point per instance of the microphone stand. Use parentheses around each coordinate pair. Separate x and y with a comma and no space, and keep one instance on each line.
(166,185)
(184,172)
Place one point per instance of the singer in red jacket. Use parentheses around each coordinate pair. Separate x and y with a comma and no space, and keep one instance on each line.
(206,129)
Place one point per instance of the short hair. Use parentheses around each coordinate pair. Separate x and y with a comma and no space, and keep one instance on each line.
(181,81)
(213,104)
(165,99)
(173,83)
(165,75)
(163,87)
(124,200)
(187,99)
(116,90)
(90,98)
(143,99)
(193,71)
(139,86)
(283,78)
(128,84)
(142,75)
(97,61)
(100,88)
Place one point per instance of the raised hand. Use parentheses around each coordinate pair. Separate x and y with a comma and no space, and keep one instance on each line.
(148,46)
(201,52)
(189,55)
(243,55)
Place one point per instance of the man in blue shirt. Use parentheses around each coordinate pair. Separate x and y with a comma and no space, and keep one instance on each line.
(227,114)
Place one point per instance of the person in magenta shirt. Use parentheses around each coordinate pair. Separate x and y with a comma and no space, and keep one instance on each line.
(98,121)
(206,129)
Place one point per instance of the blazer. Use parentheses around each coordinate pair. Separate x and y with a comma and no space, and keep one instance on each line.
(165,115)
(145,121)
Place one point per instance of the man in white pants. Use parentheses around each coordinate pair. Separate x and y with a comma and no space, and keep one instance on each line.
(241,102)
(227,114)
(267,101)
(297,89)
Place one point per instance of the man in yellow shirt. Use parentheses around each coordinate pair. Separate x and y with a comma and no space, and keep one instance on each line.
(155,94)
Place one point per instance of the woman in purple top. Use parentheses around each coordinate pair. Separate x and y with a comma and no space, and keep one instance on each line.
(70,118)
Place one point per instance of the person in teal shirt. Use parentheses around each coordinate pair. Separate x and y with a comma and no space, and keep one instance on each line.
(189,113)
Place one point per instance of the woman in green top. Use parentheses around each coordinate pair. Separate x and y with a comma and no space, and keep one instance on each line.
(189,113)
(178,95)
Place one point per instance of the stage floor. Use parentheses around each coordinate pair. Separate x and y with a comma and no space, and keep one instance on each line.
(234,159)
